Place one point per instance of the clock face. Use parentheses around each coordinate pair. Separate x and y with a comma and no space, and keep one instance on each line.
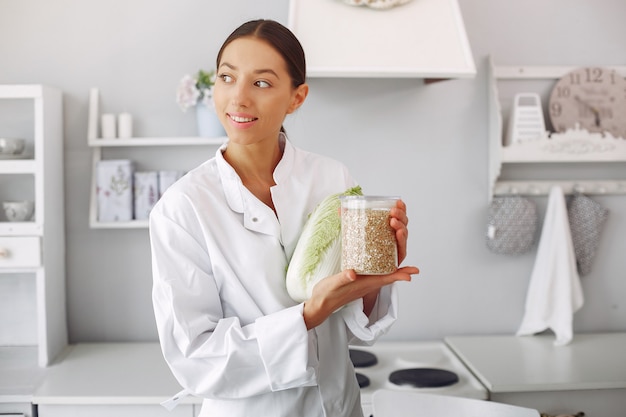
(592,97)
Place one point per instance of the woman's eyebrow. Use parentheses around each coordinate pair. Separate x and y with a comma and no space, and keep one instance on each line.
(258,71)
(266,71)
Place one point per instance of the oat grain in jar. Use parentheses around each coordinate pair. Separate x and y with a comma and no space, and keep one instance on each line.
(368,242)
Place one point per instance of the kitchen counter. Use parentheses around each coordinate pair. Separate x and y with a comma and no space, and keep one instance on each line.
(132,379)
(109,373)
(20,374)
(587,375)
(104,379)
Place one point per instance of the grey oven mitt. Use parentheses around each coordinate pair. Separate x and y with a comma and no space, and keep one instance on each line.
(512,225)
(586,219)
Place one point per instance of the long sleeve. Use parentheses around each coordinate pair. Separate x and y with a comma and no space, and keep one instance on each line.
(212,355)
(366,330)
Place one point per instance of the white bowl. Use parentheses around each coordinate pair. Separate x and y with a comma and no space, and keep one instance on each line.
(19,211)
(11,146)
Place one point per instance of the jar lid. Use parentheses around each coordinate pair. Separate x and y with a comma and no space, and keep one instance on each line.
(368,201)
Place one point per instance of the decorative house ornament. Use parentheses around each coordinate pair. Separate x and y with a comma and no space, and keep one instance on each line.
(377,4)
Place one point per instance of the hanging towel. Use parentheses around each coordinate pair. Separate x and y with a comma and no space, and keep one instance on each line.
(554,292)
(586,218)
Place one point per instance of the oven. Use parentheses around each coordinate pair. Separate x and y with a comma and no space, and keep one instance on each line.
(429,367)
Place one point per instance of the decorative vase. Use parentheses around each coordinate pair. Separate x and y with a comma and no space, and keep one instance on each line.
(209,125)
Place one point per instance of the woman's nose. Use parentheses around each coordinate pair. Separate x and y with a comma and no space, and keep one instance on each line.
(241,95)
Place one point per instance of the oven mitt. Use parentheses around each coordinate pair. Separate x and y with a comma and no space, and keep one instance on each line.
(512,225)
(586,218)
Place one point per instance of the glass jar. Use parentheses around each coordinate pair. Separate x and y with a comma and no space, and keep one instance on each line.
(368,242)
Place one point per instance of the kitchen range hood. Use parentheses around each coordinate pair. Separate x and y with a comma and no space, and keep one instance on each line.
(419,39)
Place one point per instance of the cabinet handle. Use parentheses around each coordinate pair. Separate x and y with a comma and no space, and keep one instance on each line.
(4,253)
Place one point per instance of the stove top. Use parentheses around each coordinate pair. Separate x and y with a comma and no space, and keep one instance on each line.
(429,367)
(424,377)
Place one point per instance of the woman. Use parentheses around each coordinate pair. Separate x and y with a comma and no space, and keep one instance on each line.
(222,238)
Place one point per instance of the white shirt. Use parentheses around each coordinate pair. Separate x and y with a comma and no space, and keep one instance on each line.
(228,329)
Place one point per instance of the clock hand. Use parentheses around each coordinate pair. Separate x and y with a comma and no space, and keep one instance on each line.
(596,112)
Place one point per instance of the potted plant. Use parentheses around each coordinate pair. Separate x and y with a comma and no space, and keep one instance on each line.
(198,92)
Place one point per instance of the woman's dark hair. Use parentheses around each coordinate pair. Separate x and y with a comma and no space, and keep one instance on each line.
(280,38)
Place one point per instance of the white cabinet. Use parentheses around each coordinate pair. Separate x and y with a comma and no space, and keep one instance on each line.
(155,152)
(504,82)
(117,410)
(587,375)
(420,39)
(32,252)
(16,410)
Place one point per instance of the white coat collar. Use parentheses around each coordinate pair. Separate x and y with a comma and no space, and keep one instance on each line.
(256,215)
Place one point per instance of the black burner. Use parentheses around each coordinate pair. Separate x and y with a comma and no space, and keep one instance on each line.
(362,380)
(362,359)
(424,377)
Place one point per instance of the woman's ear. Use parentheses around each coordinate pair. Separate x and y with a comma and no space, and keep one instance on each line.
(298,97)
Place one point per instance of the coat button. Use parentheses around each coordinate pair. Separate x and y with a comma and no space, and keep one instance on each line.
(254,219)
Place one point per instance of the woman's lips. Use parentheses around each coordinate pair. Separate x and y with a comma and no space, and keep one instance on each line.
(241,120)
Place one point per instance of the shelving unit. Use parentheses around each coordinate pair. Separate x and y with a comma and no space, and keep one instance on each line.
(33,252)
(98,144)
(576,146)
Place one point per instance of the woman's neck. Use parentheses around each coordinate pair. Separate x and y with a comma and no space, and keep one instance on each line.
(255,164)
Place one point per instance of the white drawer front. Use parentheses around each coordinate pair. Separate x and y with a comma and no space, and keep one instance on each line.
(19,252)
(112,410)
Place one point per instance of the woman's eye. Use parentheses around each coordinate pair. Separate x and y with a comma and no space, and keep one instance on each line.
(226,78)
(263,84)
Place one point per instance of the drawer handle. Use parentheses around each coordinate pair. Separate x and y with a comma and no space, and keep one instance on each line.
(4,253)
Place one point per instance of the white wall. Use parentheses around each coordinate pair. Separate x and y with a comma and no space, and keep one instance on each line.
(426,143)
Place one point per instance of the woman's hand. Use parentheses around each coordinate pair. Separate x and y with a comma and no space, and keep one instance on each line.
(399,222)
(335,291)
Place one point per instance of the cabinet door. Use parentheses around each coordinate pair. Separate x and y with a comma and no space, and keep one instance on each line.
(147,410)
(16,410)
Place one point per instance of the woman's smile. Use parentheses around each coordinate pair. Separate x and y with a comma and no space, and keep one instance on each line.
(241,120)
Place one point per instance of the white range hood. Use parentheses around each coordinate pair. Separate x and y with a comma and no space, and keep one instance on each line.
(419,39)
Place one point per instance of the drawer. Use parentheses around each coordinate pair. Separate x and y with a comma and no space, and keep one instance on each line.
(20,252)
(112,410)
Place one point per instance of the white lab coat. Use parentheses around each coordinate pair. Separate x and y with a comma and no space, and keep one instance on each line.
(228,329)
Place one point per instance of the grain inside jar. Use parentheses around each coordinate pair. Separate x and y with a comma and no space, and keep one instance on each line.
(368,242)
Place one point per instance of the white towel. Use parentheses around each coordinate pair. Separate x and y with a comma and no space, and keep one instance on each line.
(554,293)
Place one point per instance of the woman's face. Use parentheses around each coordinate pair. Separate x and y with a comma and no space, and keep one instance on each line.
(253,91)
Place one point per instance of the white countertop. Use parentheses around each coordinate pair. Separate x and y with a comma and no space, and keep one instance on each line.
(533,363)
(109,373)
(19,374)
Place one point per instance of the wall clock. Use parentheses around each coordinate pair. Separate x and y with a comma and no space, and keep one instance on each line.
(593,97)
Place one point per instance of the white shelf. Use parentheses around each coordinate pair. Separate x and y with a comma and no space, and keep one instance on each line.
(533,72)
(46,233)
(579,146)
(573,146)
(20,229)
(98,144)
(22,91)
(134,224)
(608,187)
(18,166)
(157,141)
